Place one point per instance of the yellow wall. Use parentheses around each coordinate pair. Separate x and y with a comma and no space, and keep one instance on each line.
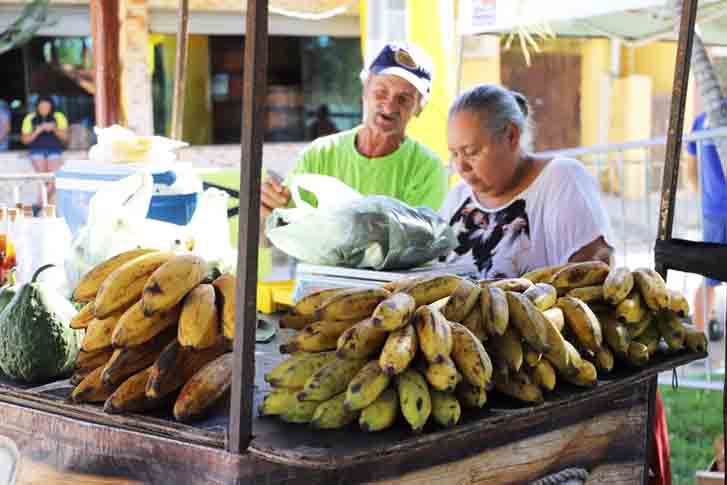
(595,62)
(480,69)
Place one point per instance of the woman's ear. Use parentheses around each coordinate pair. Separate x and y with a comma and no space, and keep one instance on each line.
(513,136)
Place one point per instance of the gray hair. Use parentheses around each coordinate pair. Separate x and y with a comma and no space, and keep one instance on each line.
(497,107)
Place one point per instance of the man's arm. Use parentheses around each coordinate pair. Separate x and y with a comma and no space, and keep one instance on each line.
(597,250)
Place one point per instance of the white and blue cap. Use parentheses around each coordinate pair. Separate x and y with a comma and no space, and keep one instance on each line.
(407,61)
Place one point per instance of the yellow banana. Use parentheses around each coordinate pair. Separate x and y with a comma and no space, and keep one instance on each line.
(650,338)
(636,329)
(555,316)
(300,412)
(588,294)
(361,340)
(399,350)
(277,401)
(90,283)
(696,340)
(129,360)
(653,289)
(531,357)
(414,398)
(83,317)
(125,284)
(78,376)
(401,284)
(616,335)
(382,413)
(394,312)
(443,376)
(618,285)
(470,356)
(434,332)
(638,354)
(446,410)
(130,396)
(134,328)
(517,285)
(99,331)
(226,294)
(496,316)
(603,359)
(508,349)
(461,302)
(293,372)
(432,288)
(176,365)
(543,375)
(473,322)
(543,275)
(582,322)
(317,337)
(205,387)
(587,375)
(365,387)
(357,303)
(92,388)
(312,302)
(577,275)
(293,321)
(92,360)
(166,286)
(528,320)
(519,386)
(631,308)
(542,295)
(672,330)
(331,379)
(678,303)
(199,322)
(561,354)
(574,360)
(471,396)
(332,414)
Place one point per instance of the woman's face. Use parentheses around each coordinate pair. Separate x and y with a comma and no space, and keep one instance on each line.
(487,163)
(44,108)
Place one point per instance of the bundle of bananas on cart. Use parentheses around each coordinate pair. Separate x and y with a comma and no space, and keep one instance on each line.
(427,347)
(158,327)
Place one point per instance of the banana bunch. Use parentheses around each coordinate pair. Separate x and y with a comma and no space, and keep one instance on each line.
(156,324)
(429,347)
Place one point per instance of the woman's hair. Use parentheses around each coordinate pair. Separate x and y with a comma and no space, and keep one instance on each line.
(49,100)
(497,107)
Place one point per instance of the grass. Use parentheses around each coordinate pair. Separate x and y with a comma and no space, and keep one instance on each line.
(694,420)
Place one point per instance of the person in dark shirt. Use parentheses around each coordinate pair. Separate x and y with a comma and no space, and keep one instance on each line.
(323,125)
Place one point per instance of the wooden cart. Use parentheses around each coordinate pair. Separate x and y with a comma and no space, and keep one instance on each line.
(601,435)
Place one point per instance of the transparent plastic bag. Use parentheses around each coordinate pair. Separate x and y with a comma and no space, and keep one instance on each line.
(41,241)
(363,232)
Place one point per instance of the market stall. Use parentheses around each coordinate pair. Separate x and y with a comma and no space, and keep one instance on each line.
(599,432)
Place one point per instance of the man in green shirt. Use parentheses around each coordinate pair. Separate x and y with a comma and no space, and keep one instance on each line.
(377,158)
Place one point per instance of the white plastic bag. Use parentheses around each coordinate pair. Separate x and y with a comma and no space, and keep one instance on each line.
(116,144)
(41,241)
(209,229)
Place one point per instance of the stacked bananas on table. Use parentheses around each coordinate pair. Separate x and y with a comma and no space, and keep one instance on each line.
(158,327)
(427,347)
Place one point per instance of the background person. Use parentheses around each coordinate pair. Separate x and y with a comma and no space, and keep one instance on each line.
(323,124)
(45,132)
(377,158)
(5,118)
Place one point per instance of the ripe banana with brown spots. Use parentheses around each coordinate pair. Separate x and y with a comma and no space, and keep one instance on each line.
(199,322)
(399,350)
(89,284)
(434,333)
(577,275)
(582,322)
(394,312)
(618,285)
(170,283)
(357,303)
(317,337)
(653,289)
(361,340)
(542,295)
(528,320)
(470,356)
(461,302)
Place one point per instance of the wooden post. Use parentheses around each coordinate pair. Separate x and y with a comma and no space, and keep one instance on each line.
(180,70)
(676,125)
(106,65)
(254,90)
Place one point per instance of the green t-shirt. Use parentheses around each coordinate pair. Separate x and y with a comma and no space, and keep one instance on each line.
(412,174)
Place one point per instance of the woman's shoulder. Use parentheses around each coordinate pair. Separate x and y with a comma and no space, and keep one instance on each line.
(455,197)
(562,170)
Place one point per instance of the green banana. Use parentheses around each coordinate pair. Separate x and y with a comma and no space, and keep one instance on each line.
(382,413)
(443,376)
(330,379)
(414,398)
(446,410)
(365,387)
(332,414)
(293,372)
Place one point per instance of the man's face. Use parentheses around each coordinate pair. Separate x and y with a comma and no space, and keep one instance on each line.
(390,102)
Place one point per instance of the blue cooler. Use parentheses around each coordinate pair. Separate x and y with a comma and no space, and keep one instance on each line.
(77,181)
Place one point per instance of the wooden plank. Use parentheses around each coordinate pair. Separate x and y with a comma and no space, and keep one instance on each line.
(676,125)
(106,64)
(180,70)
(254,93)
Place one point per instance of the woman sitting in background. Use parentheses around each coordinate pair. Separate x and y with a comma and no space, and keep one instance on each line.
(46,133)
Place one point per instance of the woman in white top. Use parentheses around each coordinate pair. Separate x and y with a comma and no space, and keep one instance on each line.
(513,212)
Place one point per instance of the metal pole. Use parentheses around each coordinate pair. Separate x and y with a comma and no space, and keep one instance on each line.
(676,125)
(180,70)
(253,110)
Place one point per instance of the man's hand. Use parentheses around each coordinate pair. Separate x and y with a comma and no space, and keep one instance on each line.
(273,195)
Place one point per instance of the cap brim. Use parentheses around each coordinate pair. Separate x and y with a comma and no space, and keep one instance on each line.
(422,85)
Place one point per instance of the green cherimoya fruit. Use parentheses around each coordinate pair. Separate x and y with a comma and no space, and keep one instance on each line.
(36,341)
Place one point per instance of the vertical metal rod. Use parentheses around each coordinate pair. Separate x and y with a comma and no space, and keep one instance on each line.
(676,125)
(254,90)
(180,70)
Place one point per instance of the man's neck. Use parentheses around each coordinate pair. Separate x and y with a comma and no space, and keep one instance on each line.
(373,144)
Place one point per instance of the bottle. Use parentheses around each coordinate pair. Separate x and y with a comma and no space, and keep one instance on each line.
(27,211)
(10,257)
(48,211)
